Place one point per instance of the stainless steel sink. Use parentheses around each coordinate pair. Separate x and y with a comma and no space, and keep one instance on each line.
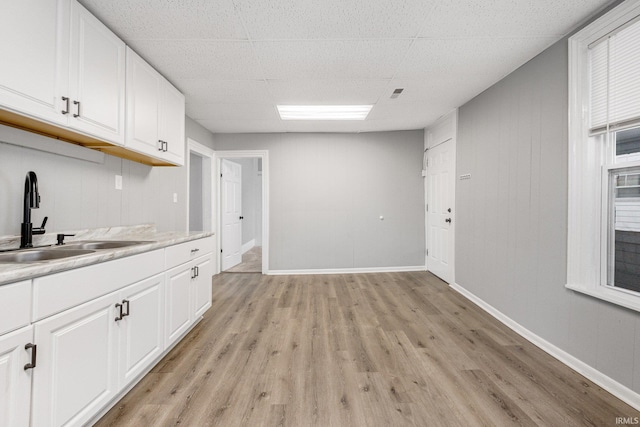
(36,255)
(102,244)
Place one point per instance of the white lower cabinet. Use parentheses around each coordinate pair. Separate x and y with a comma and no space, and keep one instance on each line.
(202,285)
(15,380)
(188,295)
(178,307)
(95,332)
(141,328)
(76,371)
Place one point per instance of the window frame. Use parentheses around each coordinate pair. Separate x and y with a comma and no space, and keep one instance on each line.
(590,162)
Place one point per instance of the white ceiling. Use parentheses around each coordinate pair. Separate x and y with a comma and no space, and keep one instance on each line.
(236,59)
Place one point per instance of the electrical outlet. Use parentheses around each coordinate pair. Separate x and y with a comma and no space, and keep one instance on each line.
(175,197)
(118,182)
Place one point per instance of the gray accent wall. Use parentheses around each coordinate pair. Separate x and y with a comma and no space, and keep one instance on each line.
(511,248)
(327,192)
(78,194)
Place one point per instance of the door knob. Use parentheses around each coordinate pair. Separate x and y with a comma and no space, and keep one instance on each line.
(448,220)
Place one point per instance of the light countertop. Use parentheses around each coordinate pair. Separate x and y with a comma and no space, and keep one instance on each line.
(14,272)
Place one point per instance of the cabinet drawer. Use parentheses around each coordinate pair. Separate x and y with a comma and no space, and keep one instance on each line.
(185,252)
(58,292)
(16,305)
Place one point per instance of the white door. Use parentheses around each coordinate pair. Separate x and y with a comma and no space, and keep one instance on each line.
(440,198)
(97,83)
(142,327)
(231,194)
(77,366)
(15,381)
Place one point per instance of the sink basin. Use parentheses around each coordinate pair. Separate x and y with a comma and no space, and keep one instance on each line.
(102,244)
(36,255)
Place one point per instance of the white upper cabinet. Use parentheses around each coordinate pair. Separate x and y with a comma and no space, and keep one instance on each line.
(97,78)
(155,112)
(34,47)
(172,123)
(143,101)
(66,67)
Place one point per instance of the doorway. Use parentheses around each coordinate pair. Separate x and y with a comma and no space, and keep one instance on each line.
(243,211)
(200,207)
(440,180)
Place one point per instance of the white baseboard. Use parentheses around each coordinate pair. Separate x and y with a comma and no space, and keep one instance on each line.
(347,270)
(247,246)
(619,390)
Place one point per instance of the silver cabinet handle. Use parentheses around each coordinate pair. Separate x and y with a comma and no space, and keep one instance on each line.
(33,348)
(66,111)
(78,104)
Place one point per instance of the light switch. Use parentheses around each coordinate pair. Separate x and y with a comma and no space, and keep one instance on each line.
(175,197)
(118,182)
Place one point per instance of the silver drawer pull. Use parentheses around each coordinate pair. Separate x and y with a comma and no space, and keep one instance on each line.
(193,251)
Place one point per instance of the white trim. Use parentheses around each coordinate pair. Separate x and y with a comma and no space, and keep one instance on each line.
(348,270)
(588,203)
(207,153)
(248,246)
(621,391)
(264,155)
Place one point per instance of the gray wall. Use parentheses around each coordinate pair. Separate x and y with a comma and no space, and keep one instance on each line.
(511,248)
(78,194)
(327,192)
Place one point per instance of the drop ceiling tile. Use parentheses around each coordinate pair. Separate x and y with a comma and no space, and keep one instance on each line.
(465,58)
(332,19)
(200,59)
(327,92)
(330,59)
(444,90)
(202,91)
(232,112)
(181,19)
(242,126)
(516,18)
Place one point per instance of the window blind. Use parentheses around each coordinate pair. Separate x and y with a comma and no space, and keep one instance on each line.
(614,80)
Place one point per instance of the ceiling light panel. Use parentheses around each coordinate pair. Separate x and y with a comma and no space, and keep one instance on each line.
(324,112)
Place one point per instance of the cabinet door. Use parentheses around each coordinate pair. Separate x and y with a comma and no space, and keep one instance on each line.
(172,123)
(143,99)
(77,370)
(141,330)
(177,302)
(34,38)
(202,285)
(97,77)
(15,381)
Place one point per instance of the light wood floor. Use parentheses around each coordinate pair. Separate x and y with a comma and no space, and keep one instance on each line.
(390,349)
(251,262)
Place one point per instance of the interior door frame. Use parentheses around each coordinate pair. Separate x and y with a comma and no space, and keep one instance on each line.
(231,154)
(208,214)
(445,129)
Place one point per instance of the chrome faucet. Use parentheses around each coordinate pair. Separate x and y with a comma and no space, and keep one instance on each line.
(31,201)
